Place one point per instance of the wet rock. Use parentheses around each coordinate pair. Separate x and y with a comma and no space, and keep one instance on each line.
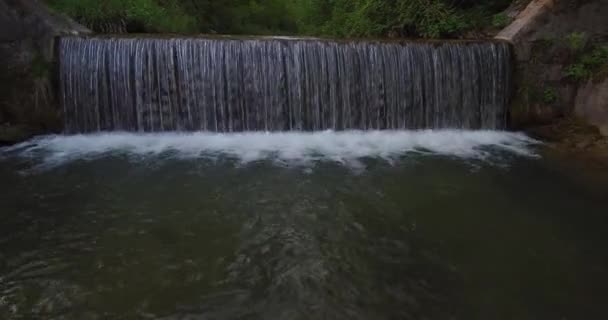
(554,72)
(28,30)
(559,56)
(592,104)
(15,134)
(583,144)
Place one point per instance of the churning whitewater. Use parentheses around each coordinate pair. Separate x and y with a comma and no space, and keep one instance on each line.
(296,148)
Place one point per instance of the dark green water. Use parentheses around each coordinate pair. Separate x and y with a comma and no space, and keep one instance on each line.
(422,236)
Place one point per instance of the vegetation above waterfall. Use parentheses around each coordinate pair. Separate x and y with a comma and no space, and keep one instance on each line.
(140,15)
(334,18)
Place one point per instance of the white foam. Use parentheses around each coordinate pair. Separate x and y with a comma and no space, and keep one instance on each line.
(286,147)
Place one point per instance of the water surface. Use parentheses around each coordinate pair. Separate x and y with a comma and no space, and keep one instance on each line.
(348,225)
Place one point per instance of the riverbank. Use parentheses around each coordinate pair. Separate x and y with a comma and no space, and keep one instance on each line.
(575,150)
(573,137)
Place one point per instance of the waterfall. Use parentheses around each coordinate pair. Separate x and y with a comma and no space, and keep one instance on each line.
(280,84)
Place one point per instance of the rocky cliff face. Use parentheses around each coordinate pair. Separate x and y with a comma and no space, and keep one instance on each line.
(28,103)
(592,104)
(549,36)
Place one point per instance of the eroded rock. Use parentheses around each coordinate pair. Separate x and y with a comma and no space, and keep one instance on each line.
(592,104)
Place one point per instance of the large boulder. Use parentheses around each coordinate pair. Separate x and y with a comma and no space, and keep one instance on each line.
(28,101)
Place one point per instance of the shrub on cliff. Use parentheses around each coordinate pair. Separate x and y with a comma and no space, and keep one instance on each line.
(589,64)
(409,18)
(144,15)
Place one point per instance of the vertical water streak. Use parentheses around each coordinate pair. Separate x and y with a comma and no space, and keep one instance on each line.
(266,84)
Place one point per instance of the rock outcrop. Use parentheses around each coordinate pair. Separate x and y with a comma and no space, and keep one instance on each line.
(547,37)
(592,104)
(28,103)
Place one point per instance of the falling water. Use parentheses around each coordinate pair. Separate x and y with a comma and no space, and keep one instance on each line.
(271,84)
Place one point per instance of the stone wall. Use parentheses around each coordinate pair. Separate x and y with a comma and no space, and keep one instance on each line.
(542,39)
(28,101)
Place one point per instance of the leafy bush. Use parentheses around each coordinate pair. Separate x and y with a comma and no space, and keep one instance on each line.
(500,20)
(431,19)
(337,18)
(152,15)
(549,96)
(576,40)
(577,72)
(589,64)
(409,18)
(597,57)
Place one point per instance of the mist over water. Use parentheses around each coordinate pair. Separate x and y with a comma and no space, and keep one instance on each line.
(464,225)
(291,148)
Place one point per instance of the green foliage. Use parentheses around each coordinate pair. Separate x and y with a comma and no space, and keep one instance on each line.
(597,57)
(335,18)
(549,96)
(154,16)
(589,64)
(576,40)
(500,20)
(577,71)
(409,18)
(432,19)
